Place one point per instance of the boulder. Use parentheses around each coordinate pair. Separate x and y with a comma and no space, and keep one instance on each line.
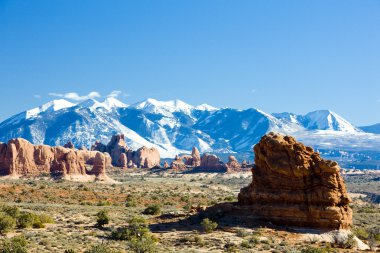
(294,186)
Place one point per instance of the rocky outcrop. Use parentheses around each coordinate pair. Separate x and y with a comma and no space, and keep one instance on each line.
(123,156)
(122,161)
(293,185)
(69,144)
(233,165)
(212,163)
(21,158)
(194,160)
(177,164)
(98,146)
(116,147)
(146,157)
(166,165)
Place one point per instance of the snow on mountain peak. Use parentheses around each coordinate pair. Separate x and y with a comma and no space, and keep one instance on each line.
(205,107)
(109,103)
(327,120)
(163,107)
(54,105)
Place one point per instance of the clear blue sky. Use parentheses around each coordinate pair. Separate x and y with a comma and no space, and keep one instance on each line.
(277,56)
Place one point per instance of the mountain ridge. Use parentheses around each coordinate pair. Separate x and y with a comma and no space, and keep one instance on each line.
(175,127)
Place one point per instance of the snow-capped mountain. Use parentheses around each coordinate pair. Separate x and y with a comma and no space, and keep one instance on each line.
(175,126)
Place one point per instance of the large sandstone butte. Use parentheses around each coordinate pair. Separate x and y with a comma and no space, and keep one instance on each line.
(123,156)
(292,185)
(19,157)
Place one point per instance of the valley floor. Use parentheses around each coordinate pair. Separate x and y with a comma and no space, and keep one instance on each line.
(74,206)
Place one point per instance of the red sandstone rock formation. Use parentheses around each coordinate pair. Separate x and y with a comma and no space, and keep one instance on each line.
(293,185)
(98,146)
(122,161)
(20,157)
(212,163)
(69,144)
(166,165)
(194,160)
(116,147)
(146,157)
(177,164)
(233,165)
(124,157)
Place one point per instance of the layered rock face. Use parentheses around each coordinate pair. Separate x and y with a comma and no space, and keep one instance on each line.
(233,165)
(20,157)
(293,185)
(123,156)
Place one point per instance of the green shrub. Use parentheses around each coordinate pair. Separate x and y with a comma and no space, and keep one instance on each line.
(152,210)
(131,201)
(309,249)
(12,211)
(102,218)
(69,251)
(16,244)
(144,244)
(137,226)
(361,233)
(7,223)
(44,218)
(138,236)
(208,225)
(100,248)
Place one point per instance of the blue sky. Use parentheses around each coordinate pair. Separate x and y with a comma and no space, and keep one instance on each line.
(277,56)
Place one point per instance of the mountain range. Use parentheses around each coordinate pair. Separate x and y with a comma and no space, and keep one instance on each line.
(175,126)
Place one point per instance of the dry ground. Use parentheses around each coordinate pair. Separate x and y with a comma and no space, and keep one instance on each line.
(74,205)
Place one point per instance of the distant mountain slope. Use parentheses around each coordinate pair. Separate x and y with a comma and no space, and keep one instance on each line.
(371,129)
(175,126)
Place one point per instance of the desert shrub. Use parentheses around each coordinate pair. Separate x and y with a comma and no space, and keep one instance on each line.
(7,223)
(241,232)
(309,249)
(16,244)
(138,236)
(27,220)
(250,242)
(230,247)
(346,243)
(69,251)
(144,244)
(102,218)
(208,225)
(138,226)
(152,210)
(100,248)
(361,233)
(12,211)
(131,201)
